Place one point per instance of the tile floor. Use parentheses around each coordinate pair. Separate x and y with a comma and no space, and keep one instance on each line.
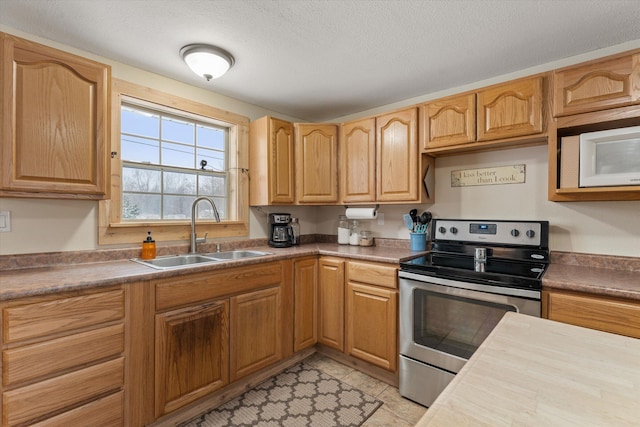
(395,411)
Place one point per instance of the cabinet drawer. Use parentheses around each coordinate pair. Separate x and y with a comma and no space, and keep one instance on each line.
(36,400)
(45,358)
(374,274)
(595,312)
(194,288)
(105,412)
(62,315)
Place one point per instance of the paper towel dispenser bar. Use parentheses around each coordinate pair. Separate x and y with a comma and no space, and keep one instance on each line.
(362,212)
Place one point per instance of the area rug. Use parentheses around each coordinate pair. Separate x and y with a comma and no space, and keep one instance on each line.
(301,396)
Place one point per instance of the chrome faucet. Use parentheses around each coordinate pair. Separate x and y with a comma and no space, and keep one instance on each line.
(194,238)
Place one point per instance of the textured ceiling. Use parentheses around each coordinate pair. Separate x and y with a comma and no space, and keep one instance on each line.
(319,60)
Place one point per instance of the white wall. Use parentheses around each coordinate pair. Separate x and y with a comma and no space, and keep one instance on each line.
(609,228)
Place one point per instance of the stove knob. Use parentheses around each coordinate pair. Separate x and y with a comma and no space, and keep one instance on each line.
(442,230)
(515,232)
(531,234)
(453,230)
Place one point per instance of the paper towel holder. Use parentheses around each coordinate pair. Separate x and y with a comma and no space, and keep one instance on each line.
(373,214)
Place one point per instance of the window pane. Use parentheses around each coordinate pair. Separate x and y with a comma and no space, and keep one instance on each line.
(177,207)
(141,150)
(180,183)
(177,130)
(215,159)
(140,180)
(211,137)
(140,206)
(212,186)
(139,122)
(178,155)
(205,211)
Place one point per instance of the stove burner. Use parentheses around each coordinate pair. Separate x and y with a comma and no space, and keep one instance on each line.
(506,260)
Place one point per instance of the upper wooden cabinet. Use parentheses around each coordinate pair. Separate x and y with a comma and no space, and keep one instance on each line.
(316,163)
(54,122)
(271,162)
(358,161)
(506,114)
(510,109)
(448,121)
(597,85)
(397,156)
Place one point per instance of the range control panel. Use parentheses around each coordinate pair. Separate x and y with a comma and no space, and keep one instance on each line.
(526,233)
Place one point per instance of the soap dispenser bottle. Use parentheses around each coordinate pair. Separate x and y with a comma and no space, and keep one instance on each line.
(148,247)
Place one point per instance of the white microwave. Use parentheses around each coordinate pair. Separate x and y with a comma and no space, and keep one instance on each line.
(610,157)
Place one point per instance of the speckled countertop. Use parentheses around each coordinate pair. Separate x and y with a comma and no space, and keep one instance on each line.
(596,274)
(37,274)
(25,282)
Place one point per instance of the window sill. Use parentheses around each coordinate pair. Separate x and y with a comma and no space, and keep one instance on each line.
(135,232)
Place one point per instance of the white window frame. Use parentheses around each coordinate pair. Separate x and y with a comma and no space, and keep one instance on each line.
(114,230)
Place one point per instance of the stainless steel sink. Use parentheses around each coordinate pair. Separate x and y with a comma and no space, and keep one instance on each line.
(185,260)
(175,261)
(239,254)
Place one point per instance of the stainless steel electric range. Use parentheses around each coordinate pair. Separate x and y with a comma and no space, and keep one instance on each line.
(452,297)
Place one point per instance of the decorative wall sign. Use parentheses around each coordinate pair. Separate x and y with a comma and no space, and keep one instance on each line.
(514,174)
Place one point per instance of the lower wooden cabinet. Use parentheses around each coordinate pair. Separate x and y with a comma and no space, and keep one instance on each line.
(599,312)
(305,294)
(64,359)
(192,358)
(371,325)
(256,331)
(331,302)
(372,313)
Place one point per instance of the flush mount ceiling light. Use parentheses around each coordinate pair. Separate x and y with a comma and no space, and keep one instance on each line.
(207,61)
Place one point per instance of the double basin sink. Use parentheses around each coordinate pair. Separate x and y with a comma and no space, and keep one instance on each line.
(184,260)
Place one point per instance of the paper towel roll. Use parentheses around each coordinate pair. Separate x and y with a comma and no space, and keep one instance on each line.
(361,213)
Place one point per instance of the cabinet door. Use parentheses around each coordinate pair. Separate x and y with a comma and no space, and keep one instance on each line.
(510,110)
(371,325)
(256,331)
(317,163)
(593,311)
(192,357)
(397,156)
(54,121)
(358,161)
(305,291)
(597,85)
(281,162)
(331,303)
(448,121)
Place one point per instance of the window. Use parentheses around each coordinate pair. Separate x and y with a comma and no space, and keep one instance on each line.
(165,152)
(167,161)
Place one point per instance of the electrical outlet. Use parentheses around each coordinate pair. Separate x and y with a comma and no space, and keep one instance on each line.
(5,221)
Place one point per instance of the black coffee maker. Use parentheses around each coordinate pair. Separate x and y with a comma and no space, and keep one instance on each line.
(280,231)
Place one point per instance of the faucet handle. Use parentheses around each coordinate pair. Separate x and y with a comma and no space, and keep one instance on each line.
(202,239)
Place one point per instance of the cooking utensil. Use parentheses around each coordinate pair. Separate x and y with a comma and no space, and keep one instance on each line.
(425,217)
(408,221)
(414,215)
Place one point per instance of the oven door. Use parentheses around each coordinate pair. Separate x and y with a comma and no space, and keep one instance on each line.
(442,323)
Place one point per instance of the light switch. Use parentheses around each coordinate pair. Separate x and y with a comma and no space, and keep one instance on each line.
(5,221)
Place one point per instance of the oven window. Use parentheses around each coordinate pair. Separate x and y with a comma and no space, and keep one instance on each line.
(452,324)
